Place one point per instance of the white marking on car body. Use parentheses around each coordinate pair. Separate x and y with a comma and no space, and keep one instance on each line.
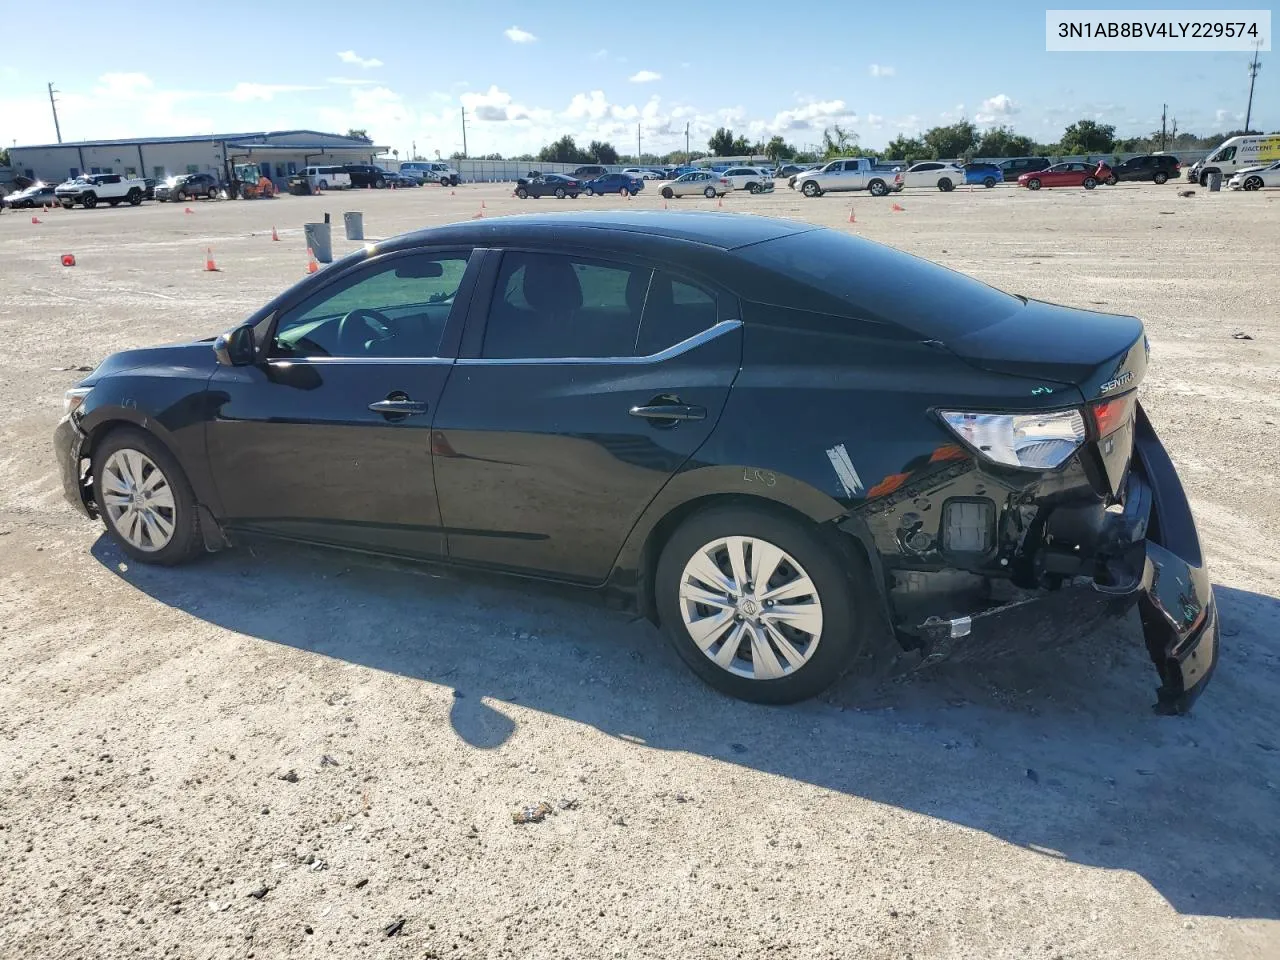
(845,472)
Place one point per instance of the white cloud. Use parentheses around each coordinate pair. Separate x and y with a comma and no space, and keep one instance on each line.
(874,120)
(244,92)
(349,81)
(350,56)
(810,116)
(1223,116)
(995,108)
(516,35)
(645,76)
(877,70)
(600,54)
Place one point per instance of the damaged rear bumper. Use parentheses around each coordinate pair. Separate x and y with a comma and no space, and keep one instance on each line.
(1154,562)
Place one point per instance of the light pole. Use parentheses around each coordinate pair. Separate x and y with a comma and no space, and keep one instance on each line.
(1253,75)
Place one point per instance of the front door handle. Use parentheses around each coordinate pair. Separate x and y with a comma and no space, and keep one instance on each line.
(398,407)
(670,411)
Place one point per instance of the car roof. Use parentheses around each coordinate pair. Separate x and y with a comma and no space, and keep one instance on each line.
(618,229)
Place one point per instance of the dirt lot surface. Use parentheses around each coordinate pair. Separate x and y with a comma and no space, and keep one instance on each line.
(1024,808)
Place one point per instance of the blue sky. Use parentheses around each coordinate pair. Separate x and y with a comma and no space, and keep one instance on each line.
(526,77)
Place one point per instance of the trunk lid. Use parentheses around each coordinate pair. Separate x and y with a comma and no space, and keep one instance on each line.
(1101,354)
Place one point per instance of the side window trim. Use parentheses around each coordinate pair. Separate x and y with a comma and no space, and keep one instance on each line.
(721,328)
(266,328)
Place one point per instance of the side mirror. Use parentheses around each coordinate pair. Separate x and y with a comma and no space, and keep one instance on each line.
(235,348)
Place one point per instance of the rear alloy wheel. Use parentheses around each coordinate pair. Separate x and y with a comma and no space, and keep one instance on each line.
(145,499)
(559,193)
(989,182)
(1089,183)
(759,606)
(811,189)
(709,193)
(1253,183)
(522,193)
(668,193)
(945,185)
(1033,183)
(1161,177)
(878,188)
(753,188)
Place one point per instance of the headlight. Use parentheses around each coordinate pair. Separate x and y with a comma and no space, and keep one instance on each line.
(1035,440)
(73,398)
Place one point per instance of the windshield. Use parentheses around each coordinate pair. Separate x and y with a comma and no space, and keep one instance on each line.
(864,280)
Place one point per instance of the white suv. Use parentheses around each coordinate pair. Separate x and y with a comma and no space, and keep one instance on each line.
(327,178)
(751,179)
(934,173)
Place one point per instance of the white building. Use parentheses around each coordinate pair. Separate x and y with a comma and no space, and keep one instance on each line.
(282,153)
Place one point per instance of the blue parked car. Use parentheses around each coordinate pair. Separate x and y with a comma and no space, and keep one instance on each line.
(613,183)
(987,174)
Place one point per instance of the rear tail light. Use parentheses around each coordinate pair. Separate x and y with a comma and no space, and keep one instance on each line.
(1031,440)
(897,178)
(1110,415)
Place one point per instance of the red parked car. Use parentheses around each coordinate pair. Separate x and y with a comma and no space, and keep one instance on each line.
(1073,173)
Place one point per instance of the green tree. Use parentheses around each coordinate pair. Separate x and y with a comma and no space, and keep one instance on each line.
(4,156)
(355,134)
(564,150)
(778,149)
(907,149)
(839,142)
(1003,142)
(950,142)
(724,144)
(602,152)
(1087,136)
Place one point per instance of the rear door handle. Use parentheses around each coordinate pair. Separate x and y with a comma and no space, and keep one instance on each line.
(670,411)
(398,408)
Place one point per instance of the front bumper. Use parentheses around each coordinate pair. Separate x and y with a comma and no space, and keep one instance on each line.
(1153,560)
(68,447)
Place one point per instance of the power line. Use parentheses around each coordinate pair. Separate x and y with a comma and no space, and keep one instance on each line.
(54,104)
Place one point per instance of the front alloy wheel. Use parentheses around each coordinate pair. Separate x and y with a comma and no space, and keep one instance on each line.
(1253,183)
(138,500)
(810,189)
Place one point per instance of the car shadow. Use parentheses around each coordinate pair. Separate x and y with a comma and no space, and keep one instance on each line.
(1058,753)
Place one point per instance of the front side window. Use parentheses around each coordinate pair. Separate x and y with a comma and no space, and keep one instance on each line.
(394,309)
(549,306)
(1225,155)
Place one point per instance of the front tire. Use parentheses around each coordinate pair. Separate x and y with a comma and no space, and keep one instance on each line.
(591,191)
(709,193)
(811,189)
(145,499)
(668,193)
(1112,180)
(1033,183)
(759,605)
(522,193)
(90,200)
(135,197)
(1253,183)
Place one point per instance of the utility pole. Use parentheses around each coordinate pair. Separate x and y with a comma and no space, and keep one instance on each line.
(464,131)
(1253,75)
(1164,113)
(638,161)
(686,141)
(57,129)
(414,146)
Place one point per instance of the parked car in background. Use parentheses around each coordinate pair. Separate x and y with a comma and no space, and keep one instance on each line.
(858,173)
(366,175)
(556,185)
(38,195)
(750,179)
(1236,154)
(1255,178)
(188,186)
(681,170)
(941,175)
(151,187)
(705,183)
(729,423)
(399,180)
(432,171)
(623,183)
(327,178)
(1073,173)
(1013,169)
(791,169)
(987,174)
(643,173)
(92,189)
(590,171)
(1156,167)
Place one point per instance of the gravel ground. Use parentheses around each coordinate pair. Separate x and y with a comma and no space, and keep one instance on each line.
(287,753)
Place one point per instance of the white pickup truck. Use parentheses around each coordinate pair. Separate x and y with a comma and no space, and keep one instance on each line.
(858,173)
(89,189)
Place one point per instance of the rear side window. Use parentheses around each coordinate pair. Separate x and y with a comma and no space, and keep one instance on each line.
(825,271)
(674,311)
(552,306)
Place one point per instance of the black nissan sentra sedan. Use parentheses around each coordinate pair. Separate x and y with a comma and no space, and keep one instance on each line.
(782,443)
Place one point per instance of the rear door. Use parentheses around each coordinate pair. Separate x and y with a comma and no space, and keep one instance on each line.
(586,384)
(328,438)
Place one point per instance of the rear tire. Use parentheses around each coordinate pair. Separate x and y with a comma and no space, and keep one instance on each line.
(989,182)
(945,185)
(1089,183)
(878,188)
(139,447)
(560,193)
(1161,177)
(823,622)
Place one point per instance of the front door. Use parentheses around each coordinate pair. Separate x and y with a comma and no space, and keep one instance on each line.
(593,383)
(328,439)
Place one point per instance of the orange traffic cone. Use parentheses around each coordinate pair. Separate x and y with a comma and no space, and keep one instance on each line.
(274,235)
(36,220)
(852,218)
(898,208)
(188,210)
(664,204)
(479,213)
(720,202)
(209,265)
(68,259)
(453,193)
(312,266)
(481,204)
